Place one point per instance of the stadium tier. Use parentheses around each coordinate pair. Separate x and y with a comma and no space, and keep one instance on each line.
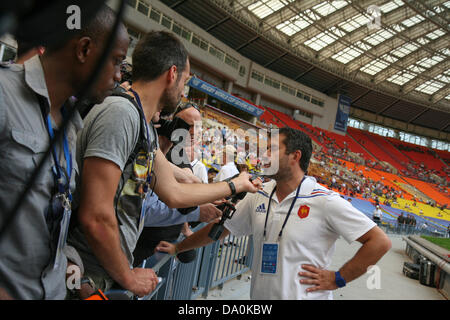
(373,149)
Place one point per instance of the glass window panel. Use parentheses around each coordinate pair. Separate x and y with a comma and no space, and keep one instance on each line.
(166,22)
(155,15)
(132,3)
(204,45)
(143,8)
(186,34)
(176,28)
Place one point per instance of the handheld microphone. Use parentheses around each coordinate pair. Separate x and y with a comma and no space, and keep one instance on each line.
(187,256)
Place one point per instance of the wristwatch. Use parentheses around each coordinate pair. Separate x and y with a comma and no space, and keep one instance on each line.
(232,187)
(340,282)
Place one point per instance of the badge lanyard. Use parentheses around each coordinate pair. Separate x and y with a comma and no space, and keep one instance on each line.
(288,214)
(67,155)
(63,189)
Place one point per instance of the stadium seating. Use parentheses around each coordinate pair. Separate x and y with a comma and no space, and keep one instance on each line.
(371,143)
(420,154)
(427,189)
(406,158)
(399,160)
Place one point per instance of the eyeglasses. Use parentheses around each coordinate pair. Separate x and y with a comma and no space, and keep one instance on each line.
(185,106)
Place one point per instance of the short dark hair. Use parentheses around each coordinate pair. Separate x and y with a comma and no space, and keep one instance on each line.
(298,140)
(157,52)
(98,28)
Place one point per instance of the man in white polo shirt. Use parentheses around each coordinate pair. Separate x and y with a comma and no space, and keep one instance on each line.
(295,223)
(228,169)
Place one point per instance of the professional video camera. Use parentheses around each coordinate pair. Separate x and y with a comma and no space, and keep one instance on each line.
(228,209)
(169,126)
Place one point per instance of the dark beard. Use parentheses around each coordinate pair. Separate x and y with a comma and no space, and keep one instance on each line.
(169,102)
(284,172)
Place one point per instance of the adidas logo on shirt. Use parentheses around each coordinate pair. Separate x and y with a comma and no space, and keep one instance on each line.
(261,208)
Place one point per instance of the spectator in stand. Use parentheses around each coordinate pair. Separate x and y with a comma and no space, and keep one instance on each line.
(407,223)
(377,215)
(400,223)
(229,168)
(413,224)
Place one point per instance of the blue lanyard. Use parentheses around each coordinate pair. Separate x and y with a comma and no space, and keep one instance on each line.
(67,155)
(289,212)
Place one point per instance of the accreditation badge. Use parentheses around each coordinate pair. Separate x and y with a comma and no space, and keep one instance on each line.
(269,258)
(63,230)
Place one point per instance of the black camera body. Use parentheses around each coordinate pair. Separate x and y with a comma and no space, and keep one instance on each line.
(169,126)
(228,209)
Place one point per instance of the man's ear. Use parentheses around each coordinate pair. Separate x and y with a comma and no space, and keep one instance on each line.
(297,156)
(83,48)
(172,75)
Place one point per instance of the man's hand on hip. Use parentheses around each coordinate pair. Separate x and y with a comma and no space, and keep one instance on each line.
(320,279)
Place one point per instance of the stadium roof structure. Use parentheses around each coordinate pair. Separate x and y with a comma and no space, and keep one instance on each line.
(391,57)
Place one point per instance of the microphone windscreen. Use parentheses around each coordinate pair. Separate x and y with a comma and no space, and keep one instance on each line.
(187,256)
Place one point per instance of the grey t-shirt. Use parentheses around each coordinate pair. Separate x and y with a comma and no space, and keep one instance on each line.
(111,131)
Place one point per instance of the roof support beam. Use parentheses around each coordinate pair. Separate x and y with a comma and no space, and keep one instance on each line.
(418,115)
(387,107)
(393,17)
(287,12)
(406,61)
(423,8)
(215,25)
(176,4)
(360,96)
(279,40)
(384,47)
(334,86)
(275,60)
(441,94)
(304,73)
(429,74)
(242,46)
(445,127)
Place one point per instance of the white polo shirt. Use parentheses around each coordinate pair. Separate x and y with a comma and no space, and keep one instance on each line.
(199,170)
(227,171)
(308,238)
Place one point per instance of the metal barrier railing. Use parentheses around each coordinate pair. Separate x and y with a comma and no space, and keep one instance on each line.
(403,229)
(213,265)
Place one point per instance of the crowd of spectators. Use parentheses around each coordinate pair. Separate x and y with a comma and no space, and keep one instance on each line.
(330,158)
